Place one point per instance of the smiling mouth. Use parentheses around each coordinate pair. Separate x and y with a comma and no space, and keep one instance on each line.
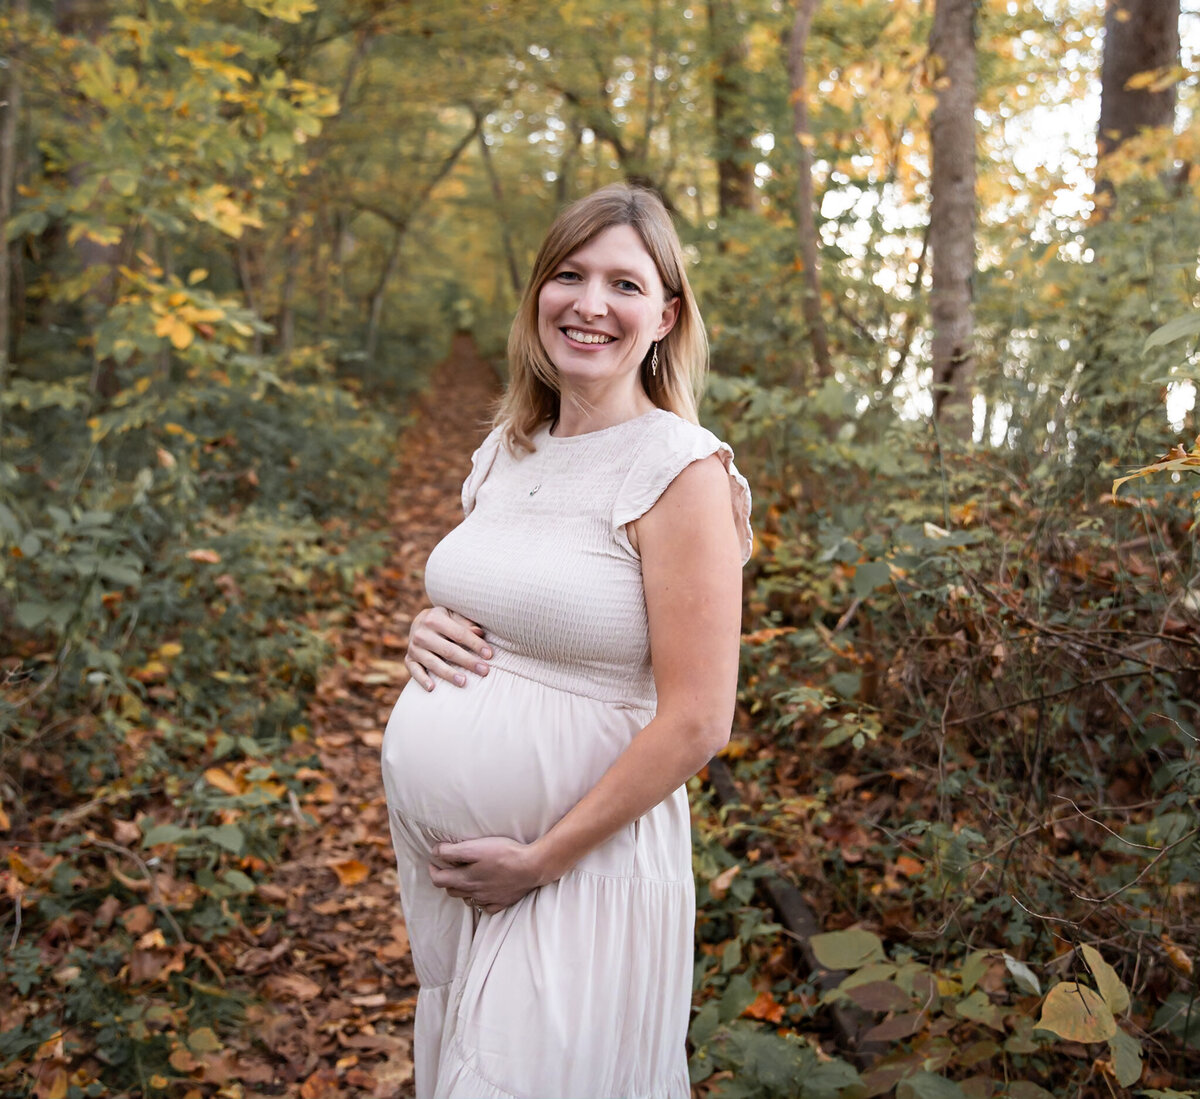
(587,337)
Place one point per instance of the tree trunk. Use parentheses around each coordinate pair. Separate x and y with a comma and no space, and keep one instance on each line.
(285,324)
(8,172)
(806,218)
(733,129)
(510,255)
(952,212)
(400,226)
(89,19)
(375,307)
(1140,36)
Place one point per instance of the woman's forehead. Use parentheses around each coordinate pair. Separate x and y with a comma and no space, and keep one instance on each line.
(616,246)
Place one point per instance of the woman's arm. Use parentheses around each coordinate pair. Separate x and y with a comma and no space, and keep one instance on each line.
(691,570)
(444,644)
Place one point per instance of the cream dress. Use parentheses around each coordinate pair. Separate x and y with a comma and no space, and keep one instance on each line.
(583,988)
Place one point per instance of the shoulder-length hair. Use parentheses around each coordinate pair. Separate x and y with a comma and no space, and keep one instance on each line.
(534,389)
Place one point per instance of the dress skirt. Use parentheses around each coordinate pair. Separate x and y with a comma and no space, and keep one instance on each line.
(582,990)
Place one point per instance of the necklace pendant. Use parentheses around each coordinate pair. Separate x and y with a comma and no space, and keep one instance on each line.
(533,491)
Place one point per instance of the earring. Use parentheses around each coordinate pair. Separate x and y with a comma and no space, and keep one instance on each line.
(654,360)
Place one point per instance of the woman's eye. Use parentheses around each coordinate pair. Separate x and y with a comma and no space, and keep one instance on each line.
(566,276)
(629,287)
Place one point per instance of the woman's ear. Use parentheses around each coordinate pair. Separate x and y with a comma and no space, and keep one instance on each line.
(669,316)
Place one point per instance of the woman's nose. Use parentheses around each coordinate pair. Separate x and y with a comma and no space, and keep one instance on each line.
(590,301)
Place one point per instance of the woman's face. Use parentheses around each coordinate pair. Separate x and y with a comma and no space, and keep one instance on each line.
(602,307)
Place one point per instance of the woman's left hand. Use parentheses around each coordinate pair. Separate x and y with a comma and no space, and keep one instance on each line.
(494,872)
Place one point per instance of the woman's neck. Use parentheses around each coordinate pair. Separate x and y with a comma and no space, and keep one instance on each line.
(579,414)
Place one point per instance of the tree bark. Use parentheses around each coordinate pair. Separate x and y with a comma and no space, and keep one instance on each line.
(400,224)
(375,309)
(806,217)
(952,212)
(510,255)
(8,172)
(733,130)
(1139,36)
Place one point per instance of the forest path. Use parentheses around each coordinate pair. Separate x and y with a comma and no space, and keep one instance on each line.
(338,973)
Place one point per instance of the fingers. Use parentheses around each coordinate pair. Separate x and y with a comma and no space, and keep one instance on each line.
(443,644)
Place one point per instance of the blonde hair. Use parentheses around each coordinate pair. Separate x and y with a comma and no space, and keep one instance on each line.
(533,394)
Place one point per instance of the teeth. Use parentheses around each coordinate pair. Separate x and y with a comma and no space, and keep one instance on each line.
(587,337)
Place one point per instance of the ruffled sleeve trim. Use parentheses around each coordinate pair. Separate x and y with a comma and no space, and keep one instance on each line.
(663,458)
(481,465)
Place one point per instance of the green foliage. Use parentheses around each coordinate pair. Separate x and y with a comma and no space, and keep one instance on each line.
(925,637)
(745,1058)
(181,522)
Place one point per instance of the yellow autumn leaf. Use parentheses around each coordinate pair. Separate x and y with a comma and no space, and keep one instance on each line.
(54,1084)
(192,315)
(170,650)
(101,234)
(350,871)
(290,11)
(223,781)
(1175,461)
(150,671)
(181,334)
(1077,1013)
(203,63)
(1177,956)
(1110,986)
(152,939)
(203,1040)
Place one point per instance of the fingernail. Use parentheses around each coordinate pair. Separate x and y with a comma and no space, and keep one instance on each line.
(460,680)
(486,654)
(481,669)
(429,686)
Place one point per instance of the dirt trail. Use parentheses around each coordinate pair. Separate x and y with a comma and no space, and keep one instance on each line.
(337,969)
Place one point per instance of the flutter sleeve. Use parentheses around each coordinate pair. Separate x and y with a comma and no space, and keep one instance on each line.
(663,457)
(481,465)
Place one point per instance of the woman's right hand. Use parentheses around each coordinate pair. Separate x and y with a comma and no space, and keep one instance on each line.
(442,644)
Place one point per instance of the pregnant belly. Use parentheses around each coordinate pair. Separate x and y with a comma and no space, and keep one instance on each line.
(502,756)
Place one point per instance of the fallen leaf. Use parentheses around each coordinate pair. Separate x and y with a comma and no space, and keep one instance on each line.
(320,1085)
(766,1008)
(291,986)
(138,920)
(719,886)
(52,1083)
(350,871)
(146,966)
(223,781)
(1177,956)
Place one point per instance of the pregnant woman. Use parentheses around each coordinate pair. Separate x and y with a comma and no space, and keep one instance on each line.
(583,644)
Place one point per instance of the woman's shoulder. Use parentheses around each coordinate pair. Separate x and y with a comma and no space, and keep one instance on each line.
(667,433)
(669,445)
(482,460)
